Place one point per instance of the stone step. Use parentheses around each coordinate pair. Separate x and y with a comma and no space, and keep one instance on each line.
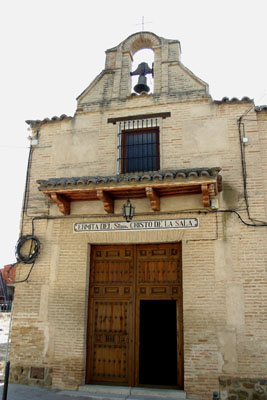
(123,393)
(109,396)
(99,392)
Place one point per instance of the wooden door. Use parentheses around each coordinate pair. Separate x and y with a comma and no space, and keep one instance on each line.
(110,339)
(120,278)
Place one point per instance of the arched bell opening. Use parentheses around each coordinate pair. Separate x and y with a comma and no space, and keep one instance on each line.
(140,82)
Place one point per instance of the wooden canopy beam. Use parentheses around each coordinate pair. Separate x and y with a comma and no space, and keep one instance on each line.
(63,196)
(152,195)
(107,201)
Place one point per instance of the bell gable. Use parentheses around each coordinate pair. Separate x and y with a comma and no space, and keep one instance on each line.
(171,78)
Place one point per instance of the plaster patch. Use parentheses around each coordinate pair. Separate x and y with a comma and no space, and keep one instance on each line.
(228,351)
(235,304)
(75,148)
(54,262)
(44,303)
(46,340)
(205,136)
(223,259)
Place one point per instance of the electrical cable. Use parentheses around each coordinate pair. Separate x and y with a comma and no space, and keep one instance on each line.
(26,191)
(239,216)
(34,249)
(35,243)
(241,129)
(26,259)
(12,147)
(22,280)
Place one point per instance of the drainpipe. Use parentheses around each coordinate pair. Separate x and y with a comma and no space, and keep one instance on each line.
(4,396)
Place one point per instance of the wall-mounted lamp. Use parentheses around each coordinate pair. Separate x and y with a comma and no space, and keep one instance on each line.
(128,211)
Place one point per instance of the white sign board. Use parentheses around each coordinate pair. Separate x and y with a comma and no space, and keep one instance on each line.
(179,223)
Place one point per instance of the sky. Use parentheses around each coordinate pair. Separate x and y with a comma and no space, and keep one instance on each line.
(52,50)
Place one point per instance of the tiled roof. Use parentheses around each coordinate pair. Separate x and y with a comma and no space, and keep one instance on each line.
(45,120)
(37,122)
(261,108)
(137,177)
(233,100)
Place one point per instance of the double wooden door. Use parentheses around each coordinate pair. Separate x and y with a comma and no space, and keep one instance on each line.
(135,331)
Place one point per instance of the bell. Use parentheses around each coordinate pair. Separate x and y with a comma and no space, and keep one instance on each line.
(141,85)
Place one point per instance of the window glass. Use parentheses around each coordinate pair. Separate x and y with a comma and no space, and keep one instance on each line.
(140,150)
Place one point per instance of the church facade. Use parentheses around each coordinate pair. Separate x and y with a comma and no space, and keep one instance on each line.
(150,210)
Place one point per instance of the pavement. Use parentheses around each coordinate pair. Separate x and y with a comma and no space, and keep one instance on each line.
(23,392)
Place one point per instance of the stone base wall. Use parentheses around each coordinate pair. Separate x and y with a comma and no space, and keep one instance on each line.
(243,388)
(40,376)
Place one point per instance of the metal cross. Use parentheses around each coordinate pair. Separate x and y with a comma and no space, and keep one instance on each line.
(143,23)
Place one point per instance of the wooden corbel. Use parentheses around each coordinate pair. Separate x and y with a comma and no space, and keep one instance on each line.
(107,201)
(152,195)
(212,190)
(219,183)
(209,192)
(205,195)
(62,203)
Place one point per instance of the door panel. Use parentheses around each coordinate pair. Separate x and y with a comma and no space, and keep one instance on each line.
(159,278)
(110,330)
(121,277)
(110,345)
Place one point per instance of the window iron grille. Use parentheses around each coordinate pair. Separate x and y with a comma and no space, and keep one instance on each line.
(138,146)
